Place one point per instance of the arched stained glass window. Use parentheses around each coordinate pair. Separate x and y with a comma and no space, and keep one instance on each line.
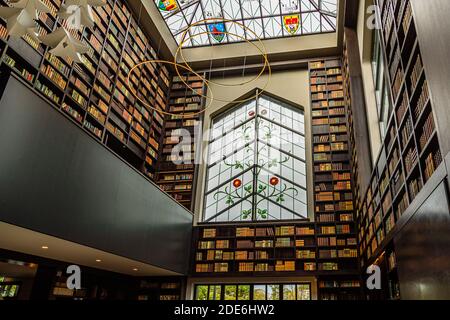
(256,168)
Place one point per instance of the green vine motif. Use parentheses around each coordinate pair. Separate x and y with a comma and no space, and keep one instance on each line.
(232,196)
(266,191)
(246,136)
(269,191)
(263,213)
(274,193)
(266,129)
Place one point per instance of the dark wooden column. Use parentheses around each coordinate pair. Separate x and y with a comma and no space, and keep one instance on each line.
(358,104)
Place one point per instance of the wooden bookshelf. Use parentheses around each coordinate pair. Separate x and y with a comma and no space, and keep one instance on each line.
(177,170)
(334,167)
(410,151)
(332,145)
(338,288)
(95,93)
(275,249)
(161,289)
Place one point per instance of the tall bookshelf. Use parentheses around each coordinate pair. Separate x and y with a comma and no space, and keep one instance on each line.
(333,184)
(410,151)
(276,250)
(95,94)
(256,249)
(177,169)
(350,127)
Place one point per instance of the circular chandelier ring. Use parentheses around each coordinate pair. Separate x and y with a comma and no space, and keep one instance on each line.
(258,93)
(184,40)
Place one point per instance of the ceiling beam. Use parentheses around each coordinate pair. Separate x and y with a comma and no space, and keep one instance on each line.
(351,13)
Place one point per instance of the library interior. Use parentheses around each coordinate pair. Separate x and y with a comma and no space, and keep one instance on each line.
(224,150)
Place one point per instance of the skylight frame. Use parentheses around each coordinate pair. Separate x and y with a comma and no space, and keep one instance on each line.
(266,19)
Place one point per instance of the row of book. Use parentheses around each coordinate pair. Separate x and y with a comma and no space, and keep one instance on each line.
(427,131)
(331,95)
(327,104)
(326,88)
(411,159)
(422,101)
(403,107)
(432,161)
(285,266)
(47,91)
(407,17)
(304,243)
(406,132)
(339,284)
(27,75)
(414,186)
(397,84)
(416,72)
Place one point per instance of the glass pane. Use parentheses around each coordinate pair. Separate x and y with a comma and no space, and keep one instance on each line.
(276,160)
(201,292)
(244,292)
(281,17)
(230,292)
(288,291)
(214,292)
(259,292)
(303,292)
(273,292)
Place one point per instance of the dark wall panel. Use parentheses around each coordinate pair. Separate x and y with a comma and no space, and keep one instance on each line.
(55,179)
(423,251)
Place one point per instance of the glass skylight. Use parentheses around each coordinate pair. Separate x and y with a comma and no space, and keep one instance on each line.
(268,19)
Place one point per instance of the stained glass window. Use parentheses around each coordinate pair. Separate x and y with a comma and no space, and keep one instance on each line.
(266,18)
(256,166)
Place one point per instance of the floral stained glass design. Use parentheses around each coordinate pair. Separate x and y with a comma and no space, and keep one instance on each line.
(256,168)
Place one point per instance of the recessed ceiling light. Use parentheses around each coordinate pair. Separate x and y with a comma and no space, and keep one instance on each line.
(44,247)
(98,260)
(135,269)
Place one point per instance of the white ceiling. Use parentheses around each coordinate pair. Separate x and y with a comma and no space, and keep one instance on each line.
(22,240)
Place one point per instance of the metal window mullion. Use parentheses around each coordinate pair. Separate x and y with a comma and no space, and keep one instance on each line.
(262,21)
(232,129)
(209,166)
(190,23)
(322,15)
(228,208)
(228,181)
(242,17)
(283,126)
(285,152)
(205,24)
(281,19)
(223,17)
(291,182)
(281,206)
(255,157)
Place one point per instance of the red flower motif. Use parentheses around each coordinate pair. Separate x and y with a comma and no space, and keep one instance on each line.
(274,181)
(251,113)
(237,183)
